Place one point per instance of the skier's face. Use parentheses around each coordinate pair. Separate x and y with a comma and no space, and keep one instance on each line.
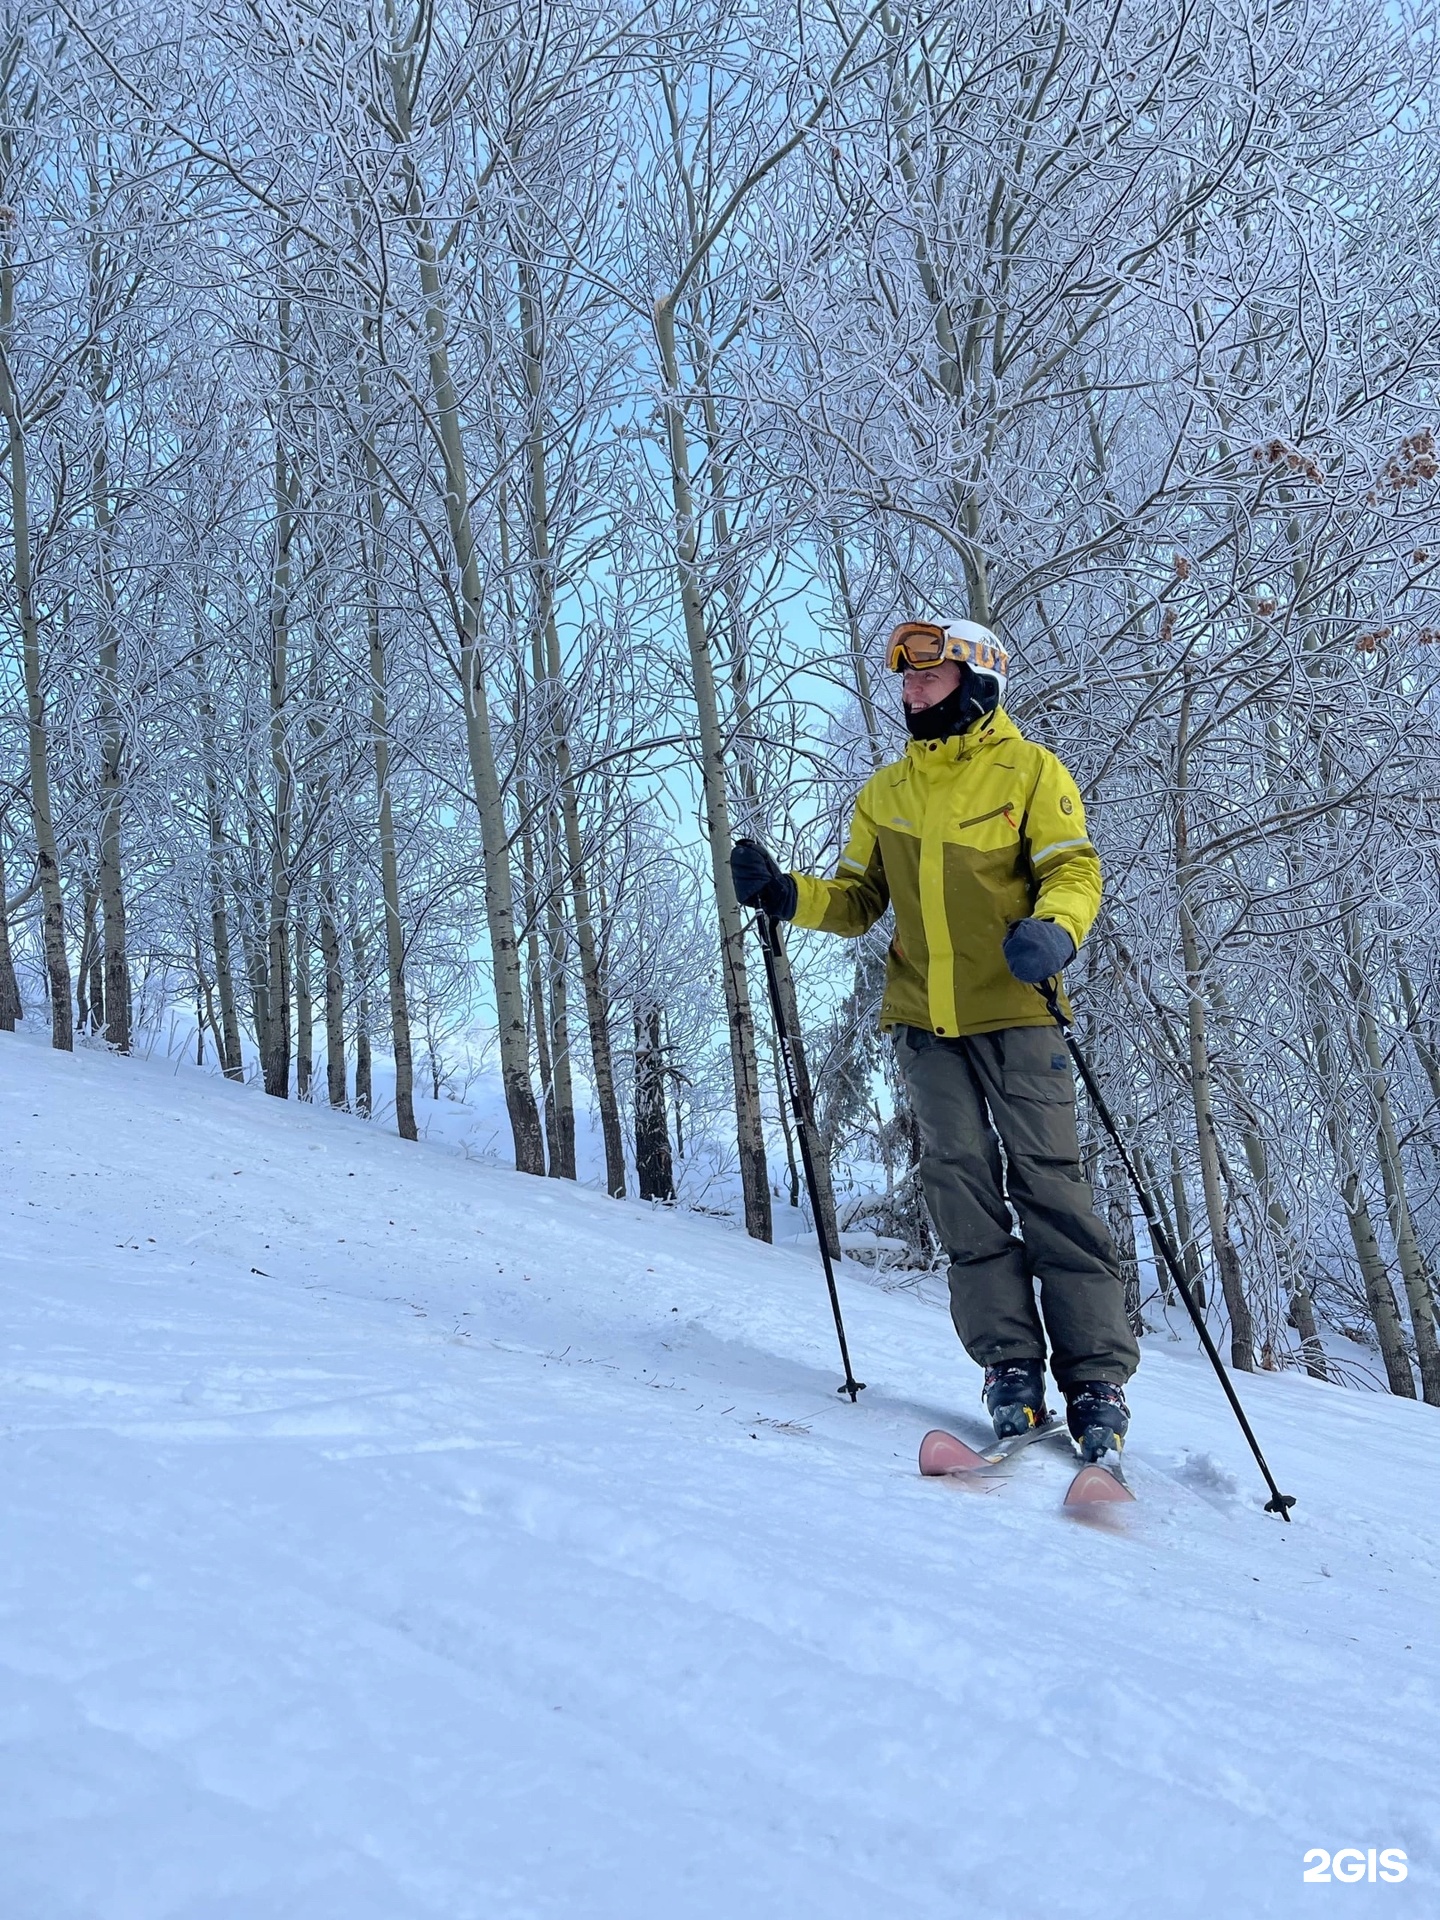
(923,687)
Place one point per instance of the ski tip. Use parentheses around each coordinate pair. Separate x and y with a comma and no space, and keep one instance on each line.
(1095,1486)
(942,1453)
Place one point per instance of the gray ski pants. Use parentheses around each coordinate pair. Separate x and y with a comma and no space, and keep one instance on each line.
(1016,1084)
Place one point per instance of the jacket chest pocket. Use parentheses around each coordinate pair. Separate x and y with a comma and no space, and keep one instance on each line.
(995,827)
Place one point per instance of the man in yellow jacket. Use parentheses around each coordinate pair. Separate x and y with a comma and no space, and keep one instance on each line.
(977,839)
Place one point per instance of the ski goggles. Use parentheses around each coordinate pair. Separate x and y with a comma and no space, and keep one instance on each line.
(916,645)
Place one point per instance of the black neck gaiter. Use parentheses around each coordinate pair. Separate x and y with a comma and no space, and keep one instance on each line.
(976,698)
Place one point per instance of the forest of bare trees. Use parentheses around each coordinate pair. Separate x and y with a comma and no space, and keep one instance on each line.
(461,464)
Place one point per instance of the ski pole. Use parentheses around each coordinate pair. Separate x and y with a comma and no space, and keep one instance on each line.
(797,1084)
(1278,1502)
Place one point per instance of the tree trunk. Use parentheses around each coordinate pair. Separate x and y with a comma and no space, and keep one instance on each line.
(1421,1032)
(275,1055)
(654,1169)
(334,991)
(118,1012)
(1288,1256)
(535,976)
(57,963)
(1413,1272)
(89,970)
(202,996)
(597,1012)
(676,1079)
(400,1040)
(540,1020)
(304,1010)
(1121,1222)
(750,1139)
(257,971)
(715,487)
(1379,1294)
(11,1009)
(1157,1193)
(401,67)
(1185,1241)
(232,1060)
(1300,1311)
(1227,1260)
(364,1091)
(562,1082)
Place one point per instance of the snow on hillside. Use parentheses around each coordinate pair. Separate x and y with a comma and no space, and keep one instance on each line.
(387,1536)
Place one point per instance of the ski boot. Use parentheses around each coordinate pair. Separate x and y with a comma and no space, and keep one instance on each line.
(1015,1396)
(1097,1416)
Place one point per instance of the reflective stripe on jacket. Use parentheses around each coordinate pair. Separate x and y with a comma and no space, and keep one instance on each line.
(965,836)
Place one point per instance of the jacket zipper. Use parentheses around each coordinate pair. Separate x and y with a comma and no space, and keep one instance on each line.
(980,818)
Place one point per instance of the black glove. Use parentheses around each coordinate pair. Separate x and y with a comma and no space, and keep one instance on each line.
(1034,949)
(760,883)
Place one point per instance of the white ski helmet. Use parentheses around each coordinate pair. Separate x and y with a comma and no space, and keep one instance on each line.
(918,644)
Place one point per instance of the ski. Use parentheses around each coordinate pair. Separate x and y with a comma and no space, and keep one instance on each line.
(943,1455)
(1096,1486)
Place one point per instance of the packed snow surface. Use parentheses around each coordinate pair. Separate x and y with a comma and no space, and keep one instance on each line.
(387,1536)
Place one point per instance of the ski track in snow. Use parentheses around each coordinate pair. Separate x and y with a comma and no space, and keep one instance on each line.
(501,1550)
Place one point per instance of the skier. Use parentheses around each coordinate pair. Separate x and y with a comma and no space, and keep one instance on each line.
(977,837)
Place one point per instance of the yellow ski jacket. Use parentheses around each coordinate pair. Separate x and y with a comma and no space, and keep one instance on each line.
(965,836)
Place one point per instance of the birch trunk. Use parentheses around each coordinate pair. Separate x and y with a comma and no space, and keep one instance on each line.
(540,1021)
(364,1084)
(275,1055)
(334,990)
(304,1009)
(89,971)
(716,485)
(750,1140)
(1379,1294)
(232,1062)
(118,1012)
(1185,1228)
(57,963)
(677,1080)
(1288,1257)
(535,972)
(400,1039)
(654,1169)
(257,973)
(401,68)
(1157,1193)
(1418,1028)
(597,1010)
(11,1009)
(562,1083)
(1413,1272)
(1227,1260)
(1121,1222)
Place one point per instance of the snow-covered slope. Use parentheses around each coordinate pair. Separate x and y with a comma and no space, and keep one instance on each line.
(386,1536)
